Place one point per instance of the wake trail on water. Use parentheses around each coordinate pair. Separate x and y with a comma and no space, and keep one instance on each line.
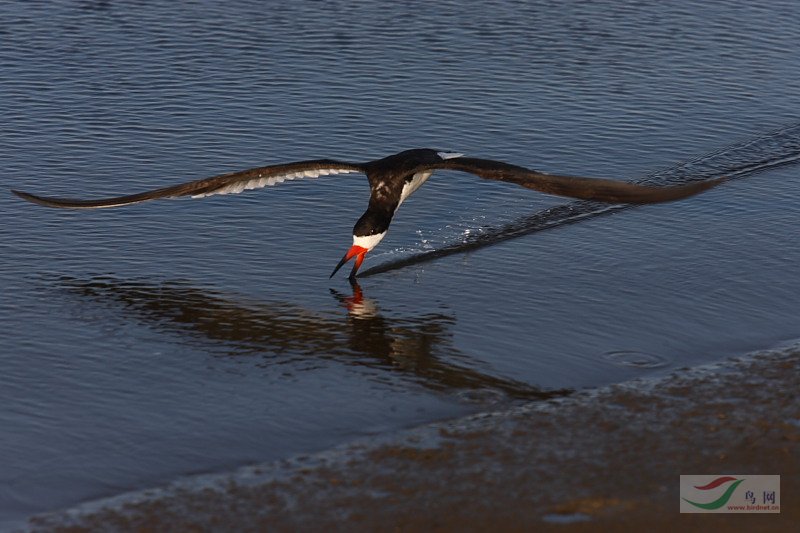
(776,148)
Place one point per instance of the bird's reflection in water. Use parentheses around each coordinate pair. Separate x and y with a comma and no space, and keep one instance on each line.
(418,347)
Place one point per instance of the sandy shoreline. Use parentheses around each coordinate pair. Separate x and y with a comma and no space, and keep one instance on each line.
(606,459)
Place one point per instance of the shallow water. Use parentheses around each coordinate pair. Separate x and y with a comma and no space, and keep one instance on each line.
(177,337)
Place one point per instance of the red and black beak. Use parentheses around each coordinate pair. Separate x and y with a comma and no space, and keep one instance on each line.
(359,252)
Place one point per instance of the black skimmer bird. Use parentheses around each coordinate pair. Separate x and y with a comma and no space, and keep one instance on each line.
(392,180)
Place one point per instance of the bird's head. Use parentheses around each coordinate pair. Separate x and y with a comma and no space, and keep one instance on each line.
(370,229)
(361,245)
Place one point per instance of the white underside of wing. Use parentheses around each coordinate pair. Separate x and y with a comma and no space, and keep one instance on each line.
(416,182)
(267,181)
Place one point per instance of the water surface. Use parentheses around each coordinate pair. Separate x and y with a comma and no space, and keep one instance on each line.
(176,337)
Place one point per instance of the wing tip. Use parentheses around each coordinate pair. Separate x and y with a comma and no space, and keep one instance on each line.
(47,202)
(29,197)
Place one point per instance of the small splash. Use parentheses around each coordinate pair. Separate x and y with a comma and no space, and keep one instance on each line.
(425,243)
(634,359)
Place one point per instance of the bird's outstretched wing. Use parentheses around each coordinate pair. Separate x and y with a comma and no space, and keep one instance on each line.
(602,190)
(234,182)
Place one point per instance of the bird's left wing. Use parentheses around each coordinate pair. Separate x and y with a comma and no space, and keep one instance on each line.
(234,182)
(602,190)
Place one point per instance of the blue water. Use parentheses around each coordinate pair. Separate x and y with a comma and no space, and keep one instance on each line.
(145,343)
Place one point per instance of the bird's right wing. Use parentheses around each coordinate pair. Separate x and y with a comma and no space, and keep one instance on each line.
(231,183)
(602,190)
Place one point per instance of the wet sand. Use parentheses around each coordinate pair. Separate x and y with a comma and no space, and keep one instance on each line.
(601,460)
